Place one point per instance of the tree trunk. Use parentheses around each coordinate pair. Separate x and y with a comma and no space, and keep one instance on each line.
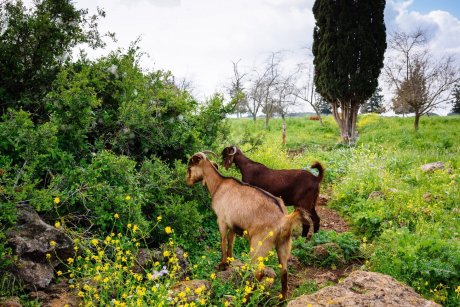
(346,119)
(254,117)
(417,119)
(267,119)
(318,114)
(284,128)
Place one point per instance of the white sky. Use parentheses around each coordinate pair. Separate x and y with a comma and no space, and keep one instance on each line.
(199,39)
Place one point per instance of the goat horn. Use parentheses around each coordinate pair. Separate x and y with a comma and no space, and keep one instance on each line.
(210,152)
(234,151)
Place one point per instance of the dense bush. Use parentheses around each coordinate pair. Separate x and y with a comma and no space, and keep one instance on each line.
(344,249)
(430,264)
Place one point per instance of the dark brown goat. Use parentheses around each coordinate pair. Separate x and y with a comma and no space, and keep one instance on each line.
(297,188)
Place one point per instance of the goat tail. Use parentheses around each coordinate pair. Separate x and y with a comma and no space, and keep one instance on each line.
(299,216)
(320,169)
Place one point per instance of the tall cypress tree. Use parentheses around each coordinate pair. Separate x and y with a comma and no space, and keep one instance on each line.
(456,100)
(349,43)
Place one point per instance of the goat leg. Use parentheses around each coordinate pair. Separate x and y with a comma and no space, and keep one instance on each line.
(230,240)
(284,251)
(223,265)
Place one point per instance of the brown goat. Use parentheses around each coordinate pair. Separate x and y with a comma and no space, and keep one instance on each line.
(297,188)
(245,209)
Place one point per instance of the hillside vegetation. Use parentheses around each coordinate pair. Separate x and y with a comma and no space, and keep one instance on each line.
(411,230)
(113,205)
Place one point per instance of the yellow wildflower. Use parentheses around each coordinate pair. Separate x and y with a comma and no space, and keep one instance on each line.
(213,276)
(48,256)
(59,273)
(116,216)
(53,243)
(128,198)
(159,218)
(168,230)
(57,200)
(57,224)
(166,253)
(70,260)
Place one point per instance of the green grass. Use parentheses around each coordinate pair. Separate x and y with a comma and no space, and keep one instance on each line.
(413,232)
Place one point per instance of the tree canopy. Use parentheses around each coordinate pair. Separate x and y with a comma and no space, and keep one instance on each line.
(349,43)
(35,43)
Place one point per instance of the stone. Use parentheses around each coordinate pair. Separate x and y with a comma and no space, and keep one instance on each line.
(56,295)
(193,289)
(34,274)
(430,167)
(427,197)
(323,200)
(13,301)
(376,195)
(363,288)
(326,277)
(30,242)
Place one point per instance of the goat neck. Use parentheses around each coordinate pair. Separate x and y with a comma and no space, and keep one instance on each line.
(211,177)
(244,164)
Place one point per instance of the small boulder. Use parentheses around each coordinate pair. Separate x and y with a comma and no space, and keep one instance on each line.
(323,200)
(427,197)
(190,290)
(376,195)
(30,241)
(326,277)
(430,167)
(362,288)
(13,301)
(145,259)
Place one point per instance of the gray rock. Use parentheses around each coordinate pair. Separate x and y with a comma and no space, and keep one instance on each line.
(364,289)
(30,241)
(376,195)
(430,167)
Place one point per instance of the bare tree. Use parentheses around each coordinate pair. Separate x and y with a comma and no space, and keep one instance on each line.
(271,81)
(305,91)
(236,90)
(421,83)
(256,95)
(283,98)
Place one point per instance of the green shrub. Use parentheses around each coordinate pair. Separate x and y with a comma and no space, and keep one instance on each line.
(424,262)
(97,191)
(346,248)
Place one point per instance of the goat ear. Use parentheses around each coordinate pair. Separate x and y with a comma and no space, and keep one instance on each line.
(195,159)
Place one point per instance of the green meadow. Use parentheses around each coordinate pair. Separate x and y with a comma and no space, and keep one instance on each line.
(411,230)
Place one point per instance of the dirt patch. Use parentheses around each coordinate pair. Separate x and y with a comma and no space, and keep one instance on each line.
(331,220)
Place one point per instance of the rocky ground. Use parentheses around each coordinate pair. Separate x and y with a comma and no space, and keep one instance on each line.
(343,286)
